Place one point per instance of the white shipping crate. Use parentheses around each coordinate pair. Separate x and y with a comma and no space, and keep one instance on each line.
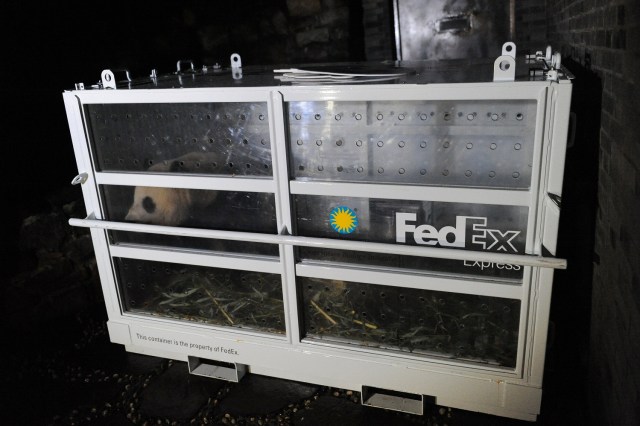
(390,232)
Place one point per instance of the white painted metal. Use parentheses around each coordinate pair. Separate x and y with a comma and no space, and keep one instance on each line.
(504,68)
(451,285)
(513,392)
(435,252)
(253,184)
(407,192)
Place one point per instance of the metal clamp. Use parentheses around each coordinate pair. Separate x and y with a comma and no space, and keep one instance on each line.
(109,80)
(80,179)
(504,67)
(236,66)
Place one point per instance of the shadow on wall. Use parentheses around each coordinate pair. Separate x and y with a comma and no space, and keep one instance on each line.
(571,301)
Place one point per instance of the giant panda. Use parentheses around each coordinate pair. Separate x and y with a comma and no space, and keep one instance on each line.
(170,206)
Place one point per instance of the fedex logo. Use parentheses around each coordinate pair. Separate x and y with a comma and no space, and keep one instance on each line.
(455,236)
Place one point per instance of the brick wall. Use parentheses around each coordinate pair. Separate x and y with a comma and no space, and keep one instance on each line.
(604,37)
(379,38)
(531,25)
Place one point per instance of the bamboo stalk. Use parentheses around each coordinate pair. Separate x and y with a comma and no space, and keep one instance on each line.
(323,313)
(219,307)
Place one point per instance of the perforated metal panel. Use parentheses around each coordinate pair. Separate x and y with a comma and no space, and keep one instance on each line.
(194,138)
(462,143)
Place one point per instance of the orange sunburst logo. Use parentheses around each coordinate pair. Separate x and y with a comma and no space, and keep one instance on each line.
(343,220)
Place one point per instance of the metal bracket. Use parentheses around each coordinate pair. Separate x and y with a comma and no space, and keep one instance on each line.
(509,49)
(109,80)
(236,66)
(189,62)
(80,179)
(504,67)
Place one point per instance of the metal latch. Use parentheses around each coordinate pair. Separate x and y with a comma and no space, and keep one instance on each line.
(80,179)
(236,66)
(109,80)
(504,68)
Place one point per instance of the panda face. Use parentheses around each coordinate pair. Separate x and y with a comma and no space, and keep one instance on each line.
(159,206)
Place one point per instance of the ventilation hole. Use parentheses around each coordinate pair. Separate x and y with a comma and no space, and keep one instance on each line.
(297,116)
(358,143)
(208,116)
(339,142)
(364,315)
(230,164)
(446,144)
(445,172)
(243,117)
(447,116)
(299,141)
(338,117)
(261,117)
(401,117)
(339,168)
(383,294)
(210,140)
(358,116)
(379,117)
(468,173)
(380,144)
(401,171)
(318,142)
(493,146)
(495,117)
(459,114)
(380,170)
(317,116)
(423,144)
(320,168)
(423,116)
(469,145)
(248,165)
(360,169)
(181,163)
(492,174)
(401,144)
(517,147)
(515,175)
(363,292)
(423,172)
